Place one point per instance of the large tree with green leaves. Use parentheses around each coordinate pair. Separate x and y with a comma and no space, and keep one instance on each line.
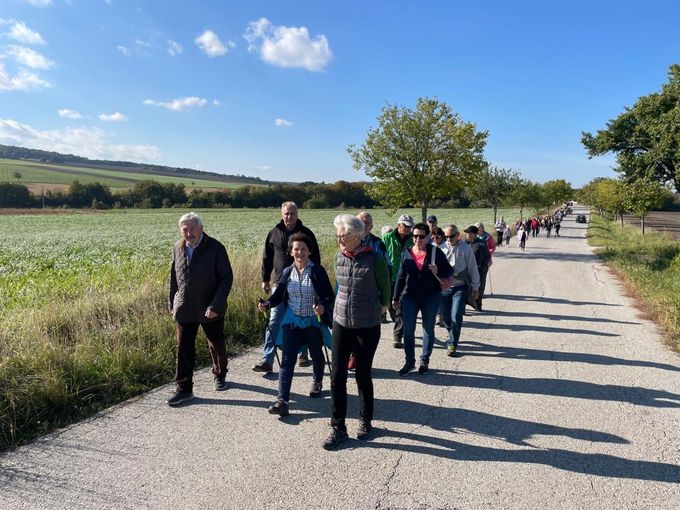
(646,137)
(492,187)
(417,156)
(524,193)
(556,192)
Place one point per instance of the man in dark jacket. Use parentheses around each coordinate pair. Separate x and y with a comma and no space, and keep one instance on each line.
(483,258)
(200,281)
(275,259)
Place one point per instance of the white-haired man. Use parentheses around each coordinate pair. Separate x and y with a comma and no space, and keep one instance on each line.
(200,281)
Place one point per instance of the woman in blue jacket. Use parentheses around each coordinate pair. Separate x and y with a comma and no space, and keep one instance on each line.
(307,292)
(418,288)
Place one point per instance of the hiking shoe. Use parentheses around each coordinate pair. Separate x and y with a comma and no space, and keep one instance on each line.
(303,360)
(452,351)
(180,397)
(334,439)
(423,368)
(352,362)
(316,389)
(220,384)
(263,366)
(279,407)
(364,429)
(404,371)
(398,344)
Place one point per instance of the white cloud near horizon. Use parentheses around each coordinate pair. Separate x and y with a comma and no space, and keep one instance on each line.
(69,114)
(84,141)
(124,50)
(28,57)
(39,3)
(113,117)
(283,123)
(174,48)
(211,45)
(24,80)
(216,102)
(287,46)
(21,33)
(178,104)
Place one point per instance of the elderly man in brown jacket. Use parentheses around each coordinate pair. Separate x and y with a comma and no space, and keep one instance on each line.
(200,281)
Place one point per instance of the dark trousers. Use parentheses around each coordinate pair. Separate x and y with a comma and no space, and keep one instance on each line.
(293,339)
(482,285)
(499,238)
(186,351)
(363,342)
(396,316)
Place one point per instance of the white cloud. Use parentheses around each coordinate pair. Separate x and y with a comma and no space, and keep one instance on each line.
(124,50)
(28,57)
(83,141)
(287,46)
(211,45)
(40,3)
(178,104)
(69,114)
(144,44)
(174,48)
(20,32)
(283,123)
(24,80)
(216,102)
(113,117)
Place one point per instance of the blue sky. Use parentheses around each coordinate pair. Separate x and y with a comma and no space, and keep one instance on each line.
(278,89)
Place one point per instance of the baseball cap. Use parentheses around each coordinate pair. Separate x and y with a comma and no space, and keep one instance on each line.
(471,228)
(431,218)
(406,220)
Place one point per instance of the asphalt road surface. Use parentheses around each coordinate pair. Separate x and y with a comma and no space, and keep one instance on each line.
(563,397)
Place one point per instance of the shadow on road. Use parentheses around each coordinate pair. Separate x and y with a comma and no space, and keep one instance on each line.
(546,299)
(471,348)
(555,317)
(533,327)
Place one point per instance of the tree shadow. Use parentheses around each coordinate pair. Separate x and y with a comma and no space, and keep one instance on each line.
(555,317)
(480,349)
(533,327)
(551,300)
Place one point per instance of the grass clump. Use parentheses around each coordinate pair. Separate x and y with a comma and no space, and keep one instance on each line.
(650,267)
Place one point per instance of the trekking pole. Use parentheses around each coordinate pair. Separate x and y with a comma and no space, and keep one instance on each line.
(321,325)
(490,284)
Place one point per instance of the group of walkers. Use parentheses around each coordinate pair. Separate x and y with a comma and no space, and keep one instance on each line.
(415,268)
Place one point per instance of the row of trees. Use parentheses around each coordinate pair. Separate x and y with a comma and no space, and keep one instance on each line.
(620,196)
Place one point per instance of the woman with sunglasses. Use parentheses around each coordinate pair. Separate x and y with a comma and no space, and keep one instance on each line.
(418,289)
(363,293)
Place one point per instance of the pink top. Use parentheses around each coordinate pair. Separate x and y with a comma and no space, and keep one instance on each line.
(419,259)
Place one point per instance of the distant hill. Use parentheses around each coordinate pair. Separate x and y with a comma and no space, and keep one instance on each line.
(120,172)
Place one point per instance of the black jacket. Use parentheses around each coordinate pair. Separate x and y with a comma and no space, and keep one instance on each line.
(481,252)
(322,287)
(204,283)
(276,257)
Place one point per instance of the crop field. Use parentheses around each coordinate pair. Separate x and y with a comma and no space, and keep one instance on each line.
(83,319)
(51,174)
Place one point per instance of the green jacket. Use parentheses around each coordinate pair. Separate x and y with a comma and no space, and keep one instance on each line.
(394,250)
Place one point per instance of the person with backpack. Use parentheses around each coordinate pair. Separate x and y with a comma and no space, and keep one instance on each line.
(483,258)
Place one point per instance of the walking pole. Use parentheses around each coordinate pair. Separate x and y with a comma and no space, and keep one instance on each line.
(490,284)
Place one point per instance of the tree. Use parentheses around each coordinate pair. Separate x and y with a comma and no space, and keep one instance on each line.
(417,156)
(492,186)
(643,195)
(524,193)
(610,195)
(557,191)
(646,137)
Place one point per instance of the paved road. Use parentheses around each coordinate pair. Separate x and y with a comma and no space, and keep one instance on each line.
(563,398)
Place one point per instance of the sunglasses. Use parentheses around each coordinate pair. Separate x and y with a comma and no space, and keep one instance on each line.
(418,236)
(452,237)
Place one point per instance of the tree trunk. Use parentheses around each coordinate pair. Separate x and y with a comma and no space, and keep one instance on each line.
(642,222)
(423,211)
(495,210)
(621,220)
(521,213)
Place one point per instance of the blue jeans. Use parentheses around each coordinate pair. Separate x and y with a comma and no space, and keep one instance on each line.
(428,310)
(293,339)
(276,316)
(453,303)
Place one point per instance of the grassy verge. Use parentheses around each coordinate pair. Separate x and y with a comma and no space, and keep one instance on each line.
(650,267)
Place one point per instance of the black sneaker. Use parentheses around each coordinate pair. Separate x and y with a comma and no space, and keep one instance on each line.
(398,344)
(452,351)
(220,384)
(263,366)
(303,360)
(423,368)
(404,371)
(364,429)
(334,439)
(180,397)
(279,407)
(316,389)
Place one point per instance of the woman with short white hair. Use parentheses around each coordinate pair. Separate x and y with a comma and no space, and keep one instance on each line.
(363,292)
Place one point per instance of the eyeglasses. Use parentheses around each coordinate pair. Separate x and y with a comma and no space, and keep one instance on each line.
(436,237)
(342,236)
(453,236)
(418,236)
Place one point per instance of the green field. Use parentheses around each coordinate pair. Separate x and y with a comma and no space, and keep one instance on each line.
(83,320)
(47,173)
